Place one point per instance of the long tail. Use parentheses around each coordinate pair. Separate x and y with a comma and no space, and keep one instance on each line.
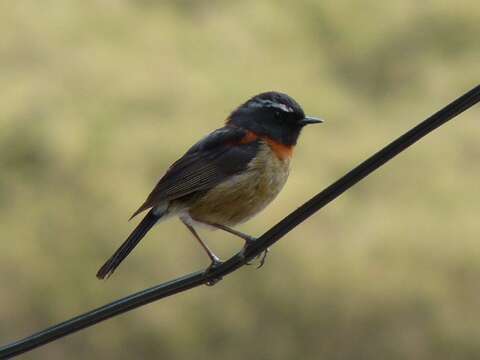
(142,228)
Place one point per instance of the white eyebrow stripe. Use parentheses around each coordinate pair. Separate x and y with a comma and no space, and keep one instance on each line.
(270,103)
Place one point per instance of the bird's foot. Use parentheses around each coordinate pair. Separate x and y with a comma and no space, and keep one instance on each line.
(216,262)
(249,240)
(262,256)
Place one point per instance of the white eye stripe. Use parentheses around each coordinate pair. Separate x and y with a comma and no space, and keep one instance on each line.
(270,103)
(283,107)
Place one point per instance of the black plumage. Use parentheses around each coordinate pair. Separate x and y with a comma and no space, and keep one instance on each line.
(206,164)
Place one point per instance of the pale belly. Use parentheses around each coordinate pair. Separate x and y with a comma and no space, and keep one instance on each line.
(241,197)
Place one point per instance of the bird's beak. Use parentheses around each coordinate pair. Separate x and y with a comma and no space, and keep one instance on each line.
(311,120)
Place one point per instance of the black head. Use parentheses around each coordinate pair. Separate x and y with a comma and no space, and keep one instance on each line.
(273,114)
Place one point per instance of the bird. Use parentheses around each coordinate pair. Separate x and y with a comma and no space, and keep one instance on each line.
(227,177)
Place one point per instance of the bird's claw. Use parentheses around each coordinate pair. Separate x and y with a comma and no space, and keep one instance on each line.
(216,262)
(262,256)
(249,240)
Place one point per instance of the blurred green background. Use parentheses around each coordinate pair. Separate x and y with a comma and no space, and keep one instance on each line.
(99,97)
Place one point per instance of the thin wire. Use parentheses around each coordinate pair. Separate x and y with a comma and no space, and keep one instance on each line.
(267,239)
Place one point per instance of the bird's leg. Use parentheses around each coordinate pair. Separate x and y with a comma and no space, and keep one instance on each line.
(214,258)
(248,241)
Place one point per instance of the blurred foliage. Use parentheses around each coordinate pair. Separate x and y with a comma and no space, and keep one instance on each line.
(99,97)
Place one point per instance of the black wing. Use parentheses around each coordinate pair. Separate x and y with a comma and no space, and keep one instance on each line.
(213,159)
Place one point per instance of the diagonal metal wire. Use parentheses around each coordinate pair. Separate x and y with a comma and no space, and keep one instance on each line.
(195,279)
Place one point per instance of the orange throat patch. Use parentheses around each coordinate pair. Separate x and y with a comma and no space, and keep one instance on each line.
(282,151)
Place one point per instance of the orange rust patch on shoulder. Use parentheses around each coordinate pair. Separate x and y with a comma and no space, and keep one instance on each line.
(249,137)
(281,150)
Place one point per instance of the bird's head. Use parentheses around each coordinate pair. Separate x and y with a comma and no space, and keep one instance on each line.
(272,114)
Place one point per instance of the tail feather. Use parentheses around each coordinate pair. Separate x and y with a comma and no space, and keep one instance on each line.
(142,228)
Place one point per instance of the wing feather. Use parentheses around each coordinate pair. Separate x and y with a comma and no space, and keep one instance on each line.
(213,159)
